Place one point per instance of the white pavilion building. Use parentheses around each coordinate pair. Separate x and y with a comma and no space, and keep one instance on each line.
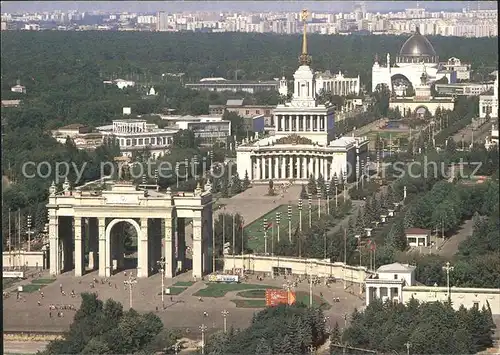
(304,142)
(488,104)
(417,50)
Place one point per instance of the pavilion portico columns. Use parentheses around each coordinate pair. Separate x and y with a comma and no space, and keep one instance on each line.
(270,167)
(276,167)
(283,166)
(304,167)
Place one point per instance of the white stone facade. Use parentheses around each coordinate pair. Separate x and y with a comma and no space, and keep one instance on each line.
(337,84)
(488,104)
(138,135)
(462,69)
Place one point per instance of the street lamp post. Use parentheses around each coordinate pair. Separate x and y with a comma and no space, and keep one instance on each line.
(448,268)
(224,315)
(162,264)
(213,243)
(408,345)
(324,245)
(203,327)
(345,185)
(319,205)
(310,285)
(278,219)
(29,232)
(177,174)
(300,214)
(290,223)
(328,199)
(309,200)
(130,283)
(265,235)
(336,193)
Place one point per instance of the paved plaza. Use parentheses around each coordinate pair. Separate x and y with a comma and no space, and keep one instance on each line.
(184,311)
(253,202)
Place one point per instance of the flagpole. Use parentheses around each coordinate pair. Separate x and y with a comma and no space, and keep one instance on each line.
(242,236)
(345,256)
(19,237)
(234,245)
(10,241)
(272,250)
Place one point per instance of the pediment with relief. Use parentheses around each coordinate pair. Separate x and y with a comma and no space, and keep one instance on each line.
(294,139)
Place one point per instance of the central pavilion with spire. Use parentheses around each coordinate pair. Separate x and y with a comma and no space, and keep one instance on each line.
(303,141)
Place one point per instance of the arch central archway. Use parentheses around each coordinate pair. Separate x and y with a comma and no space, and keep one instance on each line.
(116,246)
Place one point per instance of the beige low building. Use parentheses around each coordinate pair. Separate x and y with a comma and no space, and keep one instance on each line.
(468,297)
(17,259)
(416,237)
(11,103)
(396,282)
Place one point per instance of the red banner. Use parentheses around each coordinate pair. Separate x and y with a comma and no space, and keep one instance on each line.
(275,297)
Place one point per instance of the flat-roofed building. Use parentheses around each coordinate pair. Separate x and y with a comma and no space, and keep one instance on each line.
(136,135)
(221,84)
(84,137)
(209,129)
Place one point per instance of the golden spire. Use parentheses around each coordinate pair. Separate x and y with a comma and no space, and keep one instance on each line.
(304,58)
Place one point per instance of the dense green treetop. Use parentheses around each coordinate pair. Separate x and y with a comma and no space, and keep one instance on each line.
(275,330)
(429,328)
(105,328)
(52,54)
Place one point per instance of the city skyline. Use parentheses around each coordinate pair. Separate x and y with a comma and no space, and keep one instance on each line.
(264,6)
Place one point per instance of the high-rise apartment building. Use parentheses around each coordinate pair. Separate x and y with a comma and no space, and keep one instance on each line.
(162,21)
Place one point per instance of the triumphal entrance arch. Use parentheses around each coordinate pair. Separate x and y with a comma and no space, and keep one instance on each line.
(81,220)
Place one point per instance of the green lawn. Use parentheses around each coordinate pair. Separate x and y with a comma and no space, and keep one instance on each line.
(30,288)
(42,281)
(183,284)
(258,303)
(252,294)
(317,300)
(255,230)
(220,290)
(175,291)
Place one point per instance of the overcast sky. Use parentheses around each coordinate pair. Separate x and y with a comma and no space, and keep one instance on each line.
(254,6)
